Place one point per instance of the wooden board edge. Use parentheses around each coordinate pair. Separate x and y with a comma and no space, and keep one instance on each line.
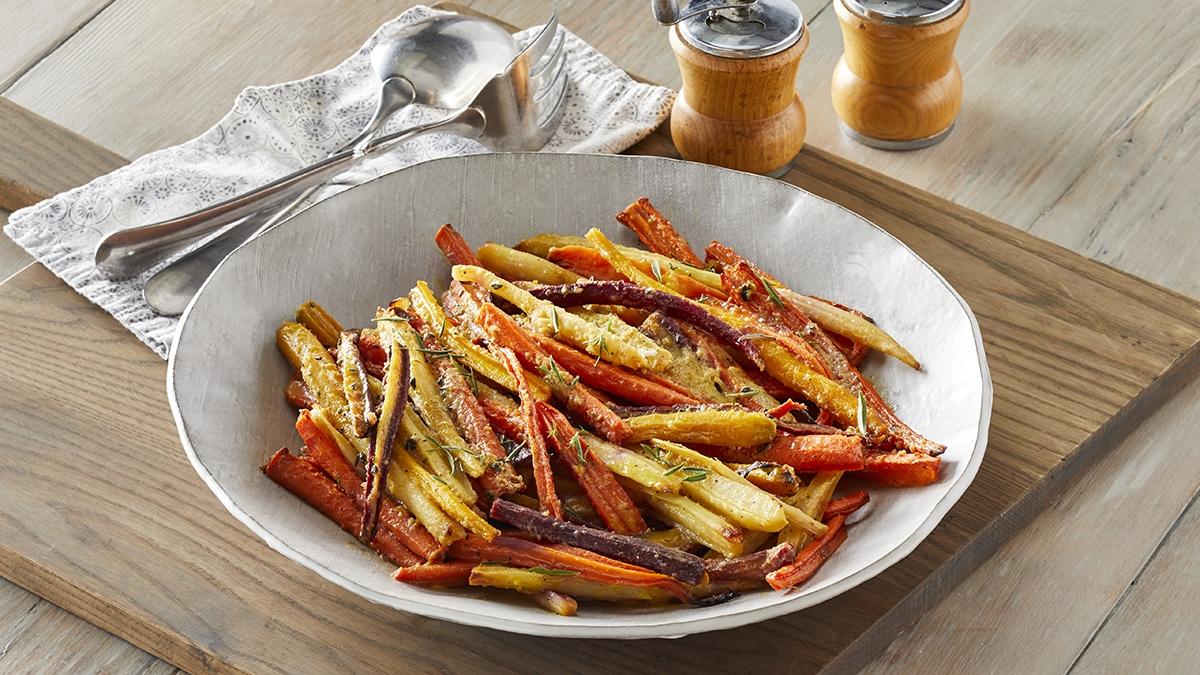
(872,642)
(110,616)
(47,159)
(1046,249)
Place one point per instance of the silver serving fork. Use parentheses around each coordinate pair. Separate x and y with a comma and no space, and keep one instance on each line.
(518,109)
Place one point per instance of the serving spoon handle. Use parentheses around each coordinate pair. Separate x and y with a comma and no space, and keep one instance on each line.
(128,252)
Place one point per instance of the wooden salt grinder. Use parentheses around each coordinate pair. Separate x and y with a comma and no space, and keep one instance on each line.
(897,86)
(738,107)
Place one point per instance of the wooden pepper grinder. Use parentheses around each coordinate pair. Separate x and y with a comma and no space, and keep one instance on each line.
(738,107)
(897,86)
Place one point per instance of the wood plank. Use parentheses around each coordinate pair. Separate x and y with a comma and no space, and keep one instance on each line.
(1133,206)
(1059,329)
(1093,541)
(37,637)
(1155,626)
(31,32)
(12,257)
(41,159)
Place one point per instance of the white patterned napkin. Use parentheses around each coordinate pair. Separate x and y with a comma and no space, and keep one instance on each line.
(274,130)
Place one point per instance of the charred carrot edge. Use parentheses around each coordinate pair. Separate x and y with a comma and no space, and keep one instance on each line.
(589,262)
(613,379)
(594,567)
(657,233)
(819,452)
(302,478)
(809,560)
(395,399)
(445,574)
(900,469)
(543,475)
(454,246)
(681,565)
(577,397)
(844,506)
(394,517)
(499,478)
(610,500)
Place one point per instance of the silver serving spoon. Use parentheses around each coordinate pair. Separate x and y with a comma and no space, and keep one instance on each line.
(443,61)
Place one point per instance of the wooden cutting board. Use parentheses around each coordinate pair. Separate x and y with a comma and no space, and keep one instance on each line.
(103,515)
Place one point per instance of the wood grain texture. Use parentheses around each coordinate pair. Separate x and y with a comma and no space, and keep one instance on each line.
(897,83)
(1091,152)
(742,114)
(12,257)
(1154,627)
(177,576)
(1054,585)
(42,159)
(37,637)
(32,32)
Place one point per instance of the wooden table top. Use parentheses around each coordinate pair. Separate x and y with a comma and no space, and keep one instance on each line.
(1061,135)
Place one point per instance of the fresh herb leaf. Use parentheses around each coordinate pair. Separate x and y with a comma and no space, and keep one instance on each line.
(694,474)
(554,319)
(673,469)
(577,445)
(652,451)
(770,289)
(440,352)
(573,513)
(553,573)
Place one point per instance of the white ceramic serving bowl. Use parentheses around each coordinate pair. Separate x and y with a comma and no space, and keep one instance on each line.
(369,244)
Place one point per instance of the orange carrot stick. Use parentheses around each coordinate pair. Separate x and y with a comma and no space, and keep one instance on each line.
(657,233)
(844,506)
(455,247)
(394,518)
(543,475)
(613,379)
(901,469)
(610,500)
(588,262)
(816,452)
(302,478)
(809,560)
(594,567)
(584,261)
(503,419)
(442,575)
